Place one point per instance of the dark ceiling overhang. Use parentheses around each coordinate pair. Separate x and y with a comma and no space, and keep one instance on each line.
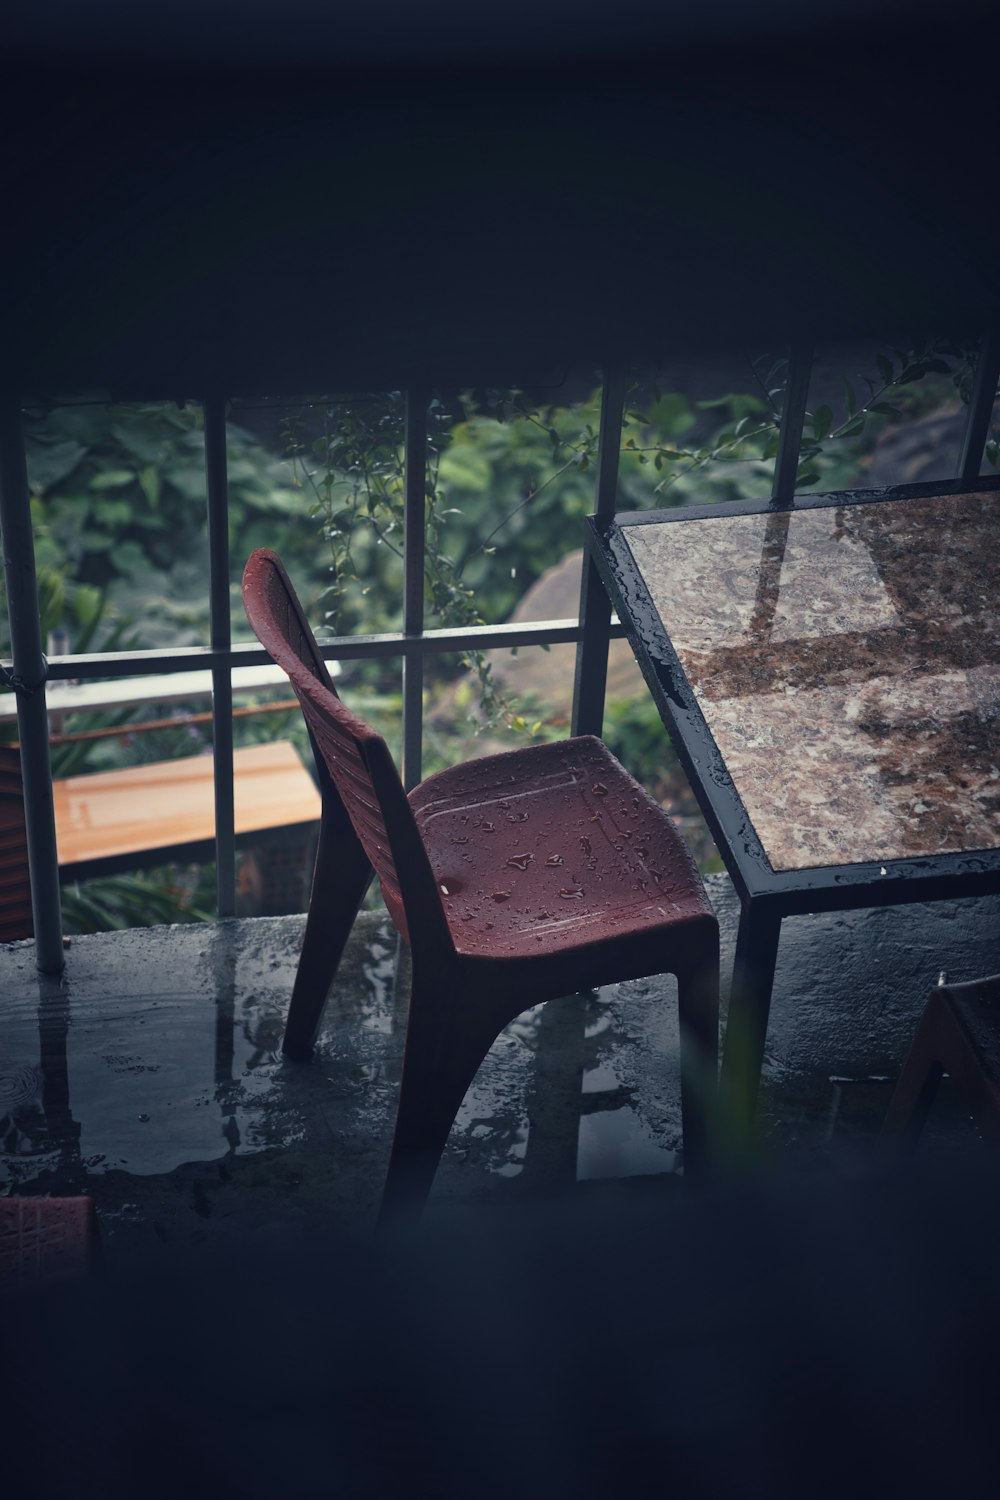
(261,202)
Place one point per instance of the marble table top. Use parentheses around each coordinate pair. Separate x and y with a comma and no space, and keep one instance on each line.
(847,662)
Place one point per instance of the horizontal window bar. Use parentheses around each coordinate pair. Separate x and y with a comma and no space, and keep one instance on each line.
(92,665)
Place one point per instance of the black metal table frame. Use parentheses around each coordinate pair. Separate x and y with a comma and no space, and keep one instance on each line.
(766,895)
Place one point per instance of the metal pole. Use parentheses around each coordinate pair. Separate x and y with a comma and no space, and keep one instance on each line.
(217,486)
(28,670)
(984,390)
(414,501)
(590,682)
(793,416)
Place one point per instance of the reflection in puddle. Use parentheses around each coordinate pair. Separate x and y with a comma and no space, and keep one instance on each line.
(616,1143)
(516,1151)
(601,1079)
(526,1026)
(379,971)
(486,1126)
(594,1028)
(504,1144)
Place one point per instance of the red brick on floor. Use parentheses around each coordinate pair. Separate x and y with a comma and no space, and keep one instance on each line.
(42,1239)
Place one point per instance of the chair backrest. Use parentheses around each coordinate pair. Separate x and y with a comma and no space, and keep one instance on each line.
(352,760)
(15,886)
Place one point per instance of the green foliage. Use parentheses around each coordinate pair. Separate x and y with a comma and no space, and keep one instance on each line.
(634,731)
(734,459)
(502,481)
(112,902)
(119,512)
(515,482)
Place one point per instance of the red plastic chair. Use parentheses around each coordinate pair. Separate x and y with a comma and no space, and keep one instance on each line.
(513,879)
(959,1034)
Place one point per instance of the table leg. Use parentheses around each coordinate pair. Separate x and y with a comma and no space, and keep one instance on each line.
(746,1026)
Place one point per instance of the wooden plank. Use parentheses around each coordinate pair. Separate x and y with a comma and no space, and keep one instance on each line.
(170,804)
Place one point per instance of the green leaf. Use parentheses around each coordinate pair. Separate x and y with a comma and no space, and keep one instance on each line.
(802,481)
(884,368)
(149,483)
(50,463)
(854,426)
(112,515)
(112,479)
(849,398)
(821,422)
(883,409)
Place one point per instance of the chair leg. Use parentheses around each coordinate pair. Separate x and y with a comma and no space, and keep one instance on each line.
(445,1045)
(341,876)
(923,1069)
(698,1008)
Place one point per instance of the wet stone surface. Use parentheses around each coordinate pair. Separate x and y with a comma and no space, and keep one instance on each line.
(150,1076)
(860,645)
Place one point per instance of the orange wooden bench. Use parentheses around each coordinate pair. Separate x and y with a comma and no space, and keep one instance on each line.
(148,815)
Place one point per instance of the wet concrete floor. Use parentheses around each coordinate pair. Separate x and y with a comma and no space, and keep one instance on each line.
(150,1075)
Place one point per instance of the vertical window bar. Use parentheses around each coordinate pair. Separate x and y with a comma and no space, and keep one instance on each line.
(216,481)
(984,390)
(793,416)
(29,670)
(591,677)
(414,501)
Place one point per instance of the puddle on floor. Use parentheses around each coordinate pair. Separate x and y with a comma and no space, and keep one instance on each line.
(617,1143)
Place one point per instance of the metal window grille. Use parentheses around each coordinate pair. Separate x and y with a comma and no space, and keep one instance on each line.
(591,630)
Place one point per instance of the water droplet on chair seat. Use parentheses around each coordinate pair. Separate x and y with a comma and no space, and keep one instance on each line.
(599,789)
(571,892)
(501,895)
(554,859)
(520,861)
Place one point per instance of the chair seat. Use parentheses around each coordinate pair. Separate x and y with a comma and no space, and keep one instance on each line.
(584,853)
